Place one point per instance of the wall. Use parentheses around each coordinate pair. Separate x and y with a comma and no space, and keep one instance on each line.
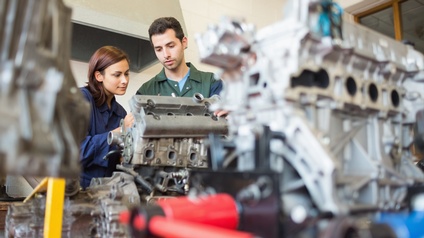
(348,3)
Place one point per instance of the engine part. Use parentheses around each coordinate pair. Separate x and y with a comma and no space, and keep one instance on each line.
(94,212)
(328,106)
(419,132)
(166,141)
(169,131)
(44,116)
(27,219)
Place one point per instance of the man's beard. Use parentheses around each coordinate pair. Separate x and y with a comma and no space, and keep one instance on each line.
(173,66)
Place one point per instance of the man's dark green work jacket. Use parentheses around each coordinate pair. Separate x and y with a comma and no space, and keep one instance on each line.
(197,82)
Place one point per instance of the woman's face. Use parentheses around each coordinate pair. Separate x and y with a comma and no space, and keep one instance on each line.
(115,78)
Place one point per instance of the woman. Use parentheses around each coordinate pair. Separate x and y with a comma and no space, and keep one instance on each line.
(108,75)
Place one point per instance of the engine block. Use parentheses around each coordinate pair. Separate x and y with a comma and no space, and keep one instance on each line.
(169,131)
(166,140)
(329,107)
(44,115)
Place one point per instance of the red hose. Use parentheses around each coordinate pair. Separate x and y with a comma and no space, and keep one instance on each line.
(218,210)
(166,228)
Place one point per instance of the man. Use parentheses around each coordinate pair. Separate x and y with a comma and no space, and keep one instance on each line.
(177,78)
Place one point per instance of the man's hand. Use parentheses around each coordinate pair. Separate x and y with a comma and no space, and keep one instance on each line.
(221,113)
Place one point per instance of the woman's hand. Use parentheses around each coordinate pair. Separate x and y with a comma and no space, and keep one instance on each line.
(128,120)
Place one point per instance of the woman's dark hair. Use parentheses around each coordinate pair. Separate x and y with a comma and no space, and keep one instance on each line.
(99,61)
(160,25)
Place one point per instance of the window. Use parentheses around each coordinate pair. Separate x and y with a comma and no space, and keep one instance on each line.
(399,19)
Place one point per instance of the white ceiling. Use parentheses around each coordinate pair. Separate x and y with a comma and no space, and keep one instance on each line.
(129,17)
(412,22)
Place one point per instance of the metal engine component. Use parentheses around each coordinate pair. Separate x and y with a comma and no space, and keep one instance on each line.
(167,139)
(169,131)
(326,104)
(91,213)
(44,116)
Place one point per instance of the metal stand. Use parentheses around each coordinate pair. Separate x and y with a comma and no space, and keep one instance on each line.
(55,188)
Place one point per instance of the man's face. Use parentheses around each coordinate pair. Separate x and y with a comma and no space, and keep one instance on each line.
(169,49)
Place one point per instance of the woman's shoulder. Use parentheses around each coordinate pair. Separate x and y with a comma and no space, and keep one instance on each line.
(84,90)
(86,93)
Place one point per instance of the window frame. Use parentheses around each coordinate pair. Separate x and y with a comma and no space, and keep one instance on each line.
(397,18)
